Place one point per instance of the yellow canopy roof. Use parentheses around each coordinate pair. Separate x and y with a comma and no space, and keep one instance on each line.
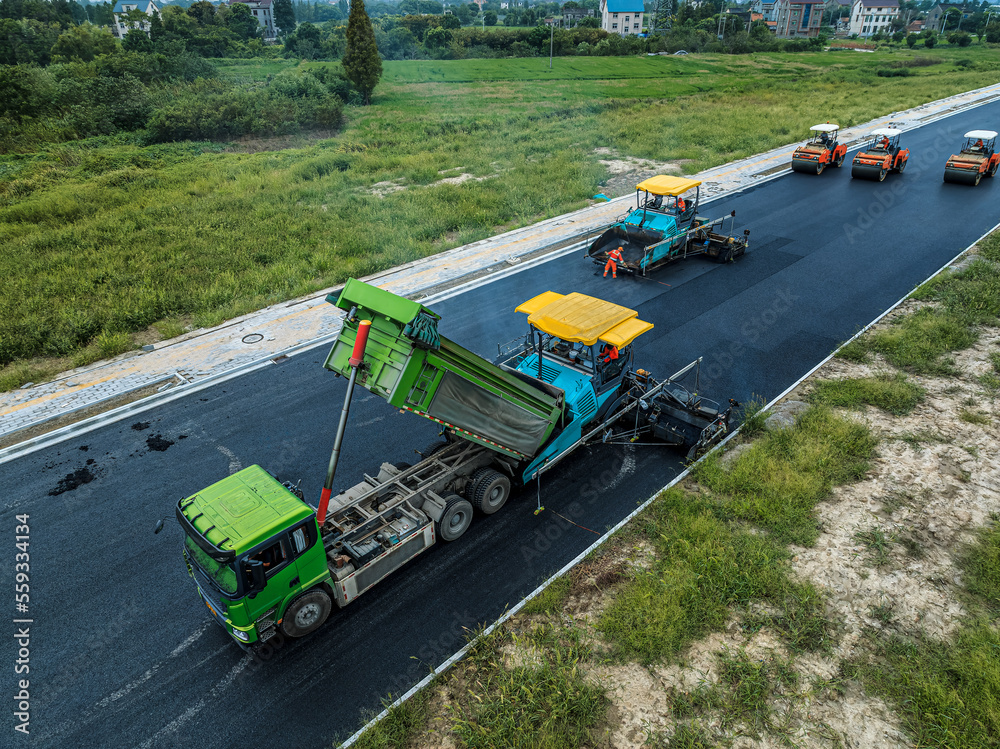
(584,319)
(666,185)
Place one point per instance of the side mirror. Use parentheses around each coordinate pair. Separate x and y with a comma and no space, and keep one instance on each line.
(158,527)
(253,571)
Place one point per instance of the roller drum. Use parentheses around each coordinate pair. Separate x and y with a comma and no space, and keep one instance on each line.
(867,171)
(807,166)
(961,176)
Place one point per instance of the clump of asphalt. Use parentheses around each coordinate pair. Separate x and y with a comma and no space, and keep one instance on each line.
(156,443)
(72,480)
(140,425)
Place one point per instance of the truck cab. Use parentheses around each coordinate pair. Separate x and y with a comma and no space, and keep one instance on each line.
(251,546)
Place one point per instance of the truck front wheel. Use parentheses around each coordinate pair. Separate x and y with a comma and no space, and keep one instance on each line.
(488,490)
(455,519)
(306,613)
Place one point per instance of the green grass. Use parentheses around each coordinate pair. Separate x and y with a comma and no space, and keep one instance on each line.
(551,599)
(892,393)
(948,692)
(877,544)
(548,705)
(777,482)
(703,566)
(108,236)
(981,567)
(918,342)
(400,725)
(973,417)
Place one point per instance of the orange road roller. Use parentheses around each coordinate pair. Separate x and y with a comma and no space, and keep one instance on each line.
(977,159)
(882,155)
(820,151)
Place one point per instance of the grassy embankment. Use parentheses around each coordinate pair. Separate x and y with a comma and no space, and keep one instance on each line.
(716,551)
(105,238)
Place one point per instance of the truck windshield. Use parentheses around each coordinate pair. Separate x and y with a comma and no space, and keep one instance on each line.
(222,575)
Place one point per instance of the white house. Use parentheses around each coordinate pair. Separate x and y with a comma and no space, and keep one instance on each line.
(765,8)
(621,17)
(262,11)
(871,16)
(121,26)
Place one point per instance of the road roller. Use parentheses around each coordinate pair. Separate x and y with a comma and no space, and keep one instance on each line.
(977,159)
(820,151)
(880,156)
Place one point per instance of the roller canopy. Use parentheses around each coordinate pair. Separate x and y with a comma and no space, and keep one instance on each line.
(826,127)
(984,134)
(584,319)
(887,132)
(666,185)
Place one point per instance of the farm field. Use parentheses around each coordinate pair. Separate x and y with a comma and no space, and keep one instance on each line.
(111,243)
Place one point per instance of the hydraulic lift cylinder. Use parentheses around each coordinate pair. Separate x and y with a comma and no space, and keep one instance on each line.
(357,356)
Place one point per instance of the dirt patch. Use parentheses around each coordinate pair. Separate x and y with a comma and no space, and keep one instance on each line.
(625,172)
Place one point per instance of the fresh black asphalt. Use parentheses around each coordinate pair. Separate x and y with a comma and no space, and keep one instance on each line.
(123,653)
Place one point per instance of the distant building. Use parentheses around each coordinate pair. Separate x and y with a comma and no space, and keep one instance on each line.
(936,15)
(264,13)
(873,16)
(623,17)
(572,16)
(798,18)
(766,10)
(122,8)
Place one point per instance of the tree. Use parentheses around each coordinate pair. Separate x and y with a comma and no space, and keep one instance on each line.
(450,22)
(136,40)
(490,18)
(437,38)
(911,39)
(284,16)
(361,60)
(241,22)
(660,17)
(155,28)
(930,41)
(83,44)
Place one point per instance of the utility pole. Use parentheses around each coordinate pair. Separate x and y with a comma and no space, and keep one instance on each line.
(552,32)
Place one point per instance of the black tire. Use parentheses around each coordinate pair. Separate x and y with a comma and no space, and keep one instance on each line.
(306,613)
(901,167)
(488,490)
(840,161)
(979,176)
(881,174)
(455,519)
(992,170)
(819,168)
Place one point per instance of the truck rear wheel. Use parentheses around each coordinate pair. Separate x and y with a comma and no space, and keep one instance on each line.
(488,490)
(306,613)
(455,519)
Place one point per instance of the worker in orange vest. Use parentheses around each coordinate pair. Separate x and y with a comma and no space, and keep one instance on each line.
(608,353)
(613,256)
(681,206)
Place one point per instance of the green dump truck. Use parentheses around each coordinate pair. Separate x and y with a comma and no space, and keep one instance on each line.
(265,561)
